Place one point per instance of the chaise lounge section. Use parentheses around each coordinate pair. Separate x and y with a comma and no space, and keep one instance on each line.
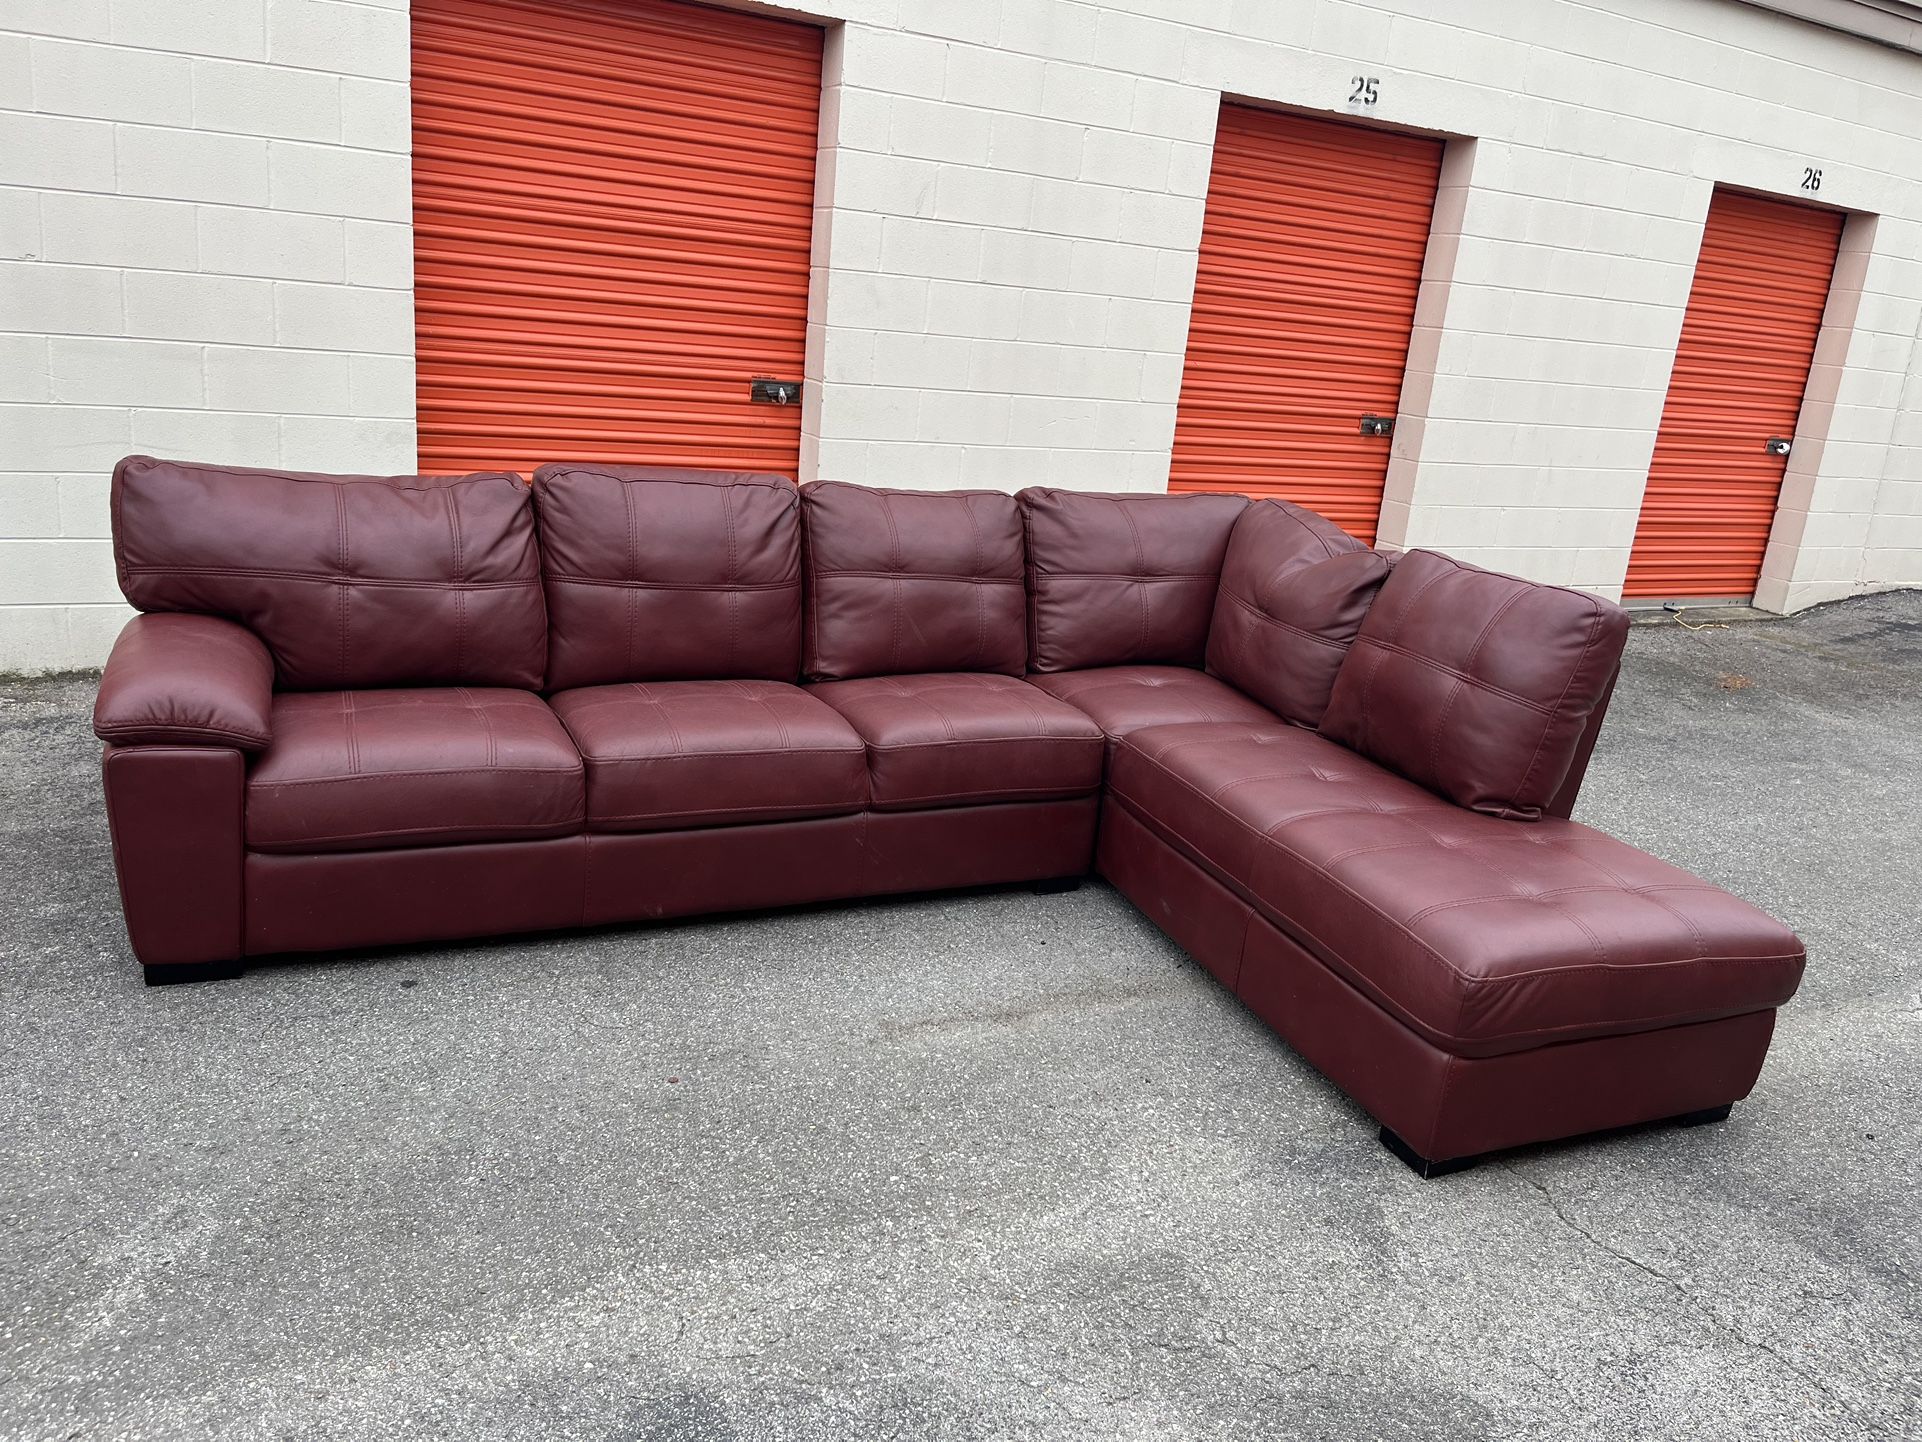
(364,711)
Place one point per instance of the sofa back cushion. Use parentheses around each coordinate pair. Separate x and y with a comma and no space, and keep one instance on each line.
(661,574)
(350,580)
(900,582)
(1294,589)
(1476,685)
(1119,580)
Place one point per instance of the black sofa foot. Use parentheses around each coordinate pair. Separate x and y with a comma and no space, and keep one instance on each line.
(1055,886)
(1704,1117)
(191,971)
(1419,1164)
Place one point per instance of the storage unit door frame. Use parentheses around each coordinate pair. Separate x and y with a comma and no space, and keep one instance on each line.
(613,216)
(1741,369)
(1311,258)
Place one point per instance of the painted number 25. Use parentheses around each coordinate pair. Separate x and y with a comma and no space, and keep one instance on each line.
(1365,92)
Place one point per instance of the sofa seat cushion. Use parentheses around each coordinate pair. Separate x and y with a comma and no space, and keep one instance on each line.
(1121,699)
(965,738)
(1484,935)
(664,755)
(368,770)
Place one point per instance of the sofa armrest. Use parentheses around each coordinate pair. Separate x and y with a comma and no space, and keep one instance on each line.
(181,679)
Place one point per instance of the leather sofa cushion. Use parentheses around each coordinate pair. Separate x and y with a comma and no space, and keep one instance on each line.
(1477,685)
(1121,699)
(1294,590)
(669,754)
(966,739)
(912,581)
(351,581)
(1116,580)
(1484,935)
(658,574)
(366,770)
(184,679)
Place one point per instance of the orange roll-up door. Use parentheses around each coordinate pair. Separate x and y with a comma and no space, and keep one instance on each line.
(1311,257)
(1748,337)
(613,204)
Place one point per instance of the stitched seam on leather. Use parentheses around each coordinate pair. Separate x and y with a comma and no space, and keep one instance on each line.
(780,725)
(1186,578)
(1434,665)
(733,596)
(380,777)
(959,741)
(987,792)
(391,483)
(353,739)
(175,731)
(632,598)
(340,566)
(542,827)
(980,565)
(1264,618)
(460,574)
(575,579)
(682,813)
(646,693)
(487,724)
(623,758)
(330,578)
(1463,678)
(1141,565)
(1594,631)
(952,576)
(1418,917)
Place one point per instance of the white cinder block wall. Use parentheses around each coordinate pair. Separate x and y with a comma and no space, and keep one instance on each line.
(204,251)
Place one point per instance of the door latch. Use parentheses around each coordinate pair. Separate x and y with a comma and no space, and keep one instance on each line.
(1778,446)
(1373,425)
(773,392)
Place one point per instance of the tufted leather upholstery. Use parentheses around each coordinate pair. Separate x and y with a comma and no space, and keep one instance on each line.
(349,580)
(901,582)
(1115,580)
(659,574)
(670,754)
(1477,685)
(365,770)
(1294,590)
(966,739)
(1121,699)
(1483,935)
(175,677)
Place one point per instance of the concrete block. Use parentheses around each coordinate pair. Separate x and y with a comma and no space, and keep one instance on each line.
(957,308)
(249,99)
(376,115)
(20,236)
(938,130)
(178,305)
(281,244)
(330,317)
(366,444)
(335,181)
(57,152)
(190,165)
(380,253)
(69,299)
(83,505)
(1075,208)
(1056,29)
(106,82)
(382,385)
(235,28)
(78,19)
(278,382)
(1024,258)
(984,197)
(884,61)
(978,21)
(42,571)
(112,371)
(63,438)
(338,38)
(1137,44)
(993,79)
(1126,160)
(29,505)
(218,437)
(88,229)
(1112,268)
(1036,146)
(911,246)
(1086,95)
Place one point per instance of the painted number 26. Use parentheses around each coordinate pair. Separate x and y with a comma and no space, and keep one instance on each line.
(1811,178)
(1364,92)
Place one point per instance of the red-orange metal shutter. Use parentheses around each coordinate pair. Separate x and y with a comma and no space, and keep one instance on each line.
(1311,256)
(613,203)
(1748,336)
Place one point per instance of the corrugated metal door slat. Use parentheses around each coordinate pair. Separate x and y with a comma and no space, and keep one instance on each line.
(1741,366)
(613,208)
(1311,257)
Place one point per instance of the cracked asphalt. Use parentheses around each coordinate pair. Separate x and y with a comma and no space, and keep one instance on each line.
(962,1167)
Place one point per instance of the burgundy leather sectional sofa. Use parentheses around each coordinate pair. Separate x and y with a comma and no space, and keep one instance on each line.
(361,711)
